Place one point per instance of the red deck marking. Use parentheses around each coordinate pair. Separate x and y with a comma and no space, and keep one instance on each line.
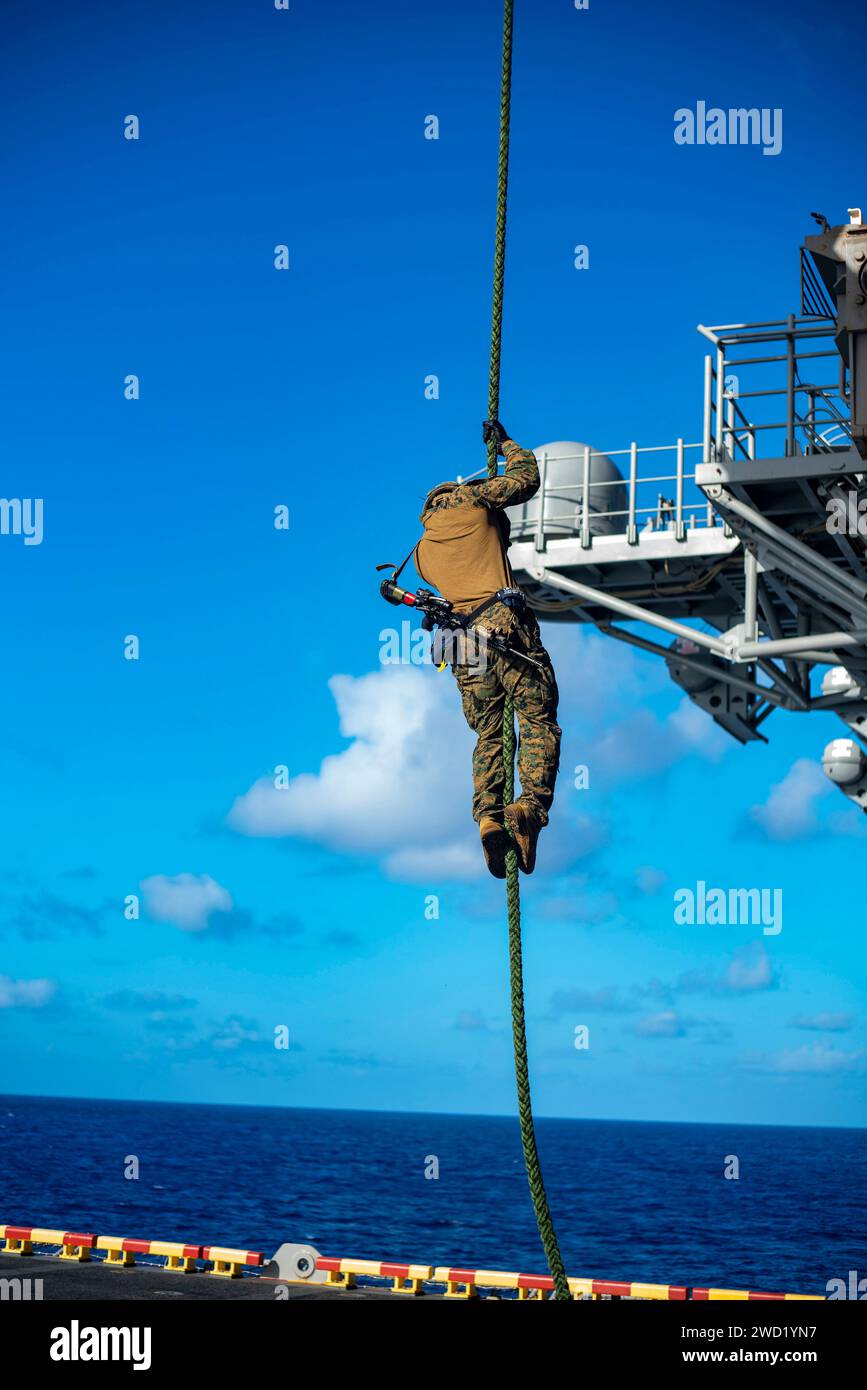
(76,1238)
(611,1287)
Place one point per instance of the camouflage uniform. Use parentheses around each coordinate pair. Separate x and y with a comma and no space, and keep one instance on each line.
(485,687)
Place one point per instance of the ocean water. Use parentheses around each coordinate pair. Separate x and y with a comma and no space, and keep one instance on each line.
(637,1201)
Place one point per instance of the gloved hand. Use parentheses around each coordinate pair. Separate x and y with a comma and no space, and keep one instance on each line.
(492,429)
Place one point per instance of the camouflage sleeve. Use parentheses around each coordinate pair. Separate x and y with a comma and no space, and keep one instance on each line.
(518,481)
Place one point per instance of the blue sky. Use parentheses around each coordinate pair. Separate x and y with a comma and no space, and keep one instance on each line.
(260,648)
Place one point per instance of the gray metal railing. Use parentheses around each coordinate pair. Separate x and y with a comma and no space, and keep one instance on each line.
(687,509)
(729,431)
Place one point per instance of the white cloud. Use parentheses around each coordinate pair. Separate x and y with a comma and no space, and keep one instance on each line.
(25,994)
(403,782)
(790,812)
(666,1024)
(402,790)
(649,880)
(471,1021)
(635,747)
(596,673)
(234,1035)
(414,864)
(580,1001)
(585,907)
(850,822)
(185,900)
(824,1023)
(641,744)
(750,970)
(819,1058)
(697,731)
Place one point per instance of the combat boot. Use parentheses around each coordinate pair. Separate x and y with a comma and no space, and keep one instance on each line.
(495,842)
(524,828)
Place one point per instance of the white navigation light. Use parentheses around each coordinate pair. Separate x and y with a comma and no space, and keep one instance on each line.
(838,681)
(844,762)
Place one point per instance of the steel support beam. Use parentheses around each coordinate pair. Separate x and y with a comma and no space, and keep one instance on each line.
(695,663)
(628,610)
(789,544)
(816,641)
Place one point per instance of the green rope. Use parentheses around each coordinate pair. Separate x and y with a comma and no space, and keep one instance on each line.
(513,897)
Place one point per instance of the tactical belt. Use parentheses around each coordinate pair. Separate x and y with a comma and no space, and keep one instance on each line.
(510,598)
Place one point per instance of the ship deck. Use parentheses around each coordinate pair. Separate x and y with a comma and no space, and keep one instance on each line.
(94,1281)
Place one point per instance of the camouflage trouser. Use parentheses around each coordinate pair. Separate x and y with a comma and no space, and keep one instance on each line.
(534,694)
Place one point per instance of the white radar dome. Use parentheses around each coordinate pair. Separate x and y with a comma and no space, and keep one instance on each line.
(561,465)
(844,762)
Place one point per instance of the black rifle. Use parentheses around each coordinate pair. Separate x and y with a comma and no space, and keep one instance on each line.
(439,613)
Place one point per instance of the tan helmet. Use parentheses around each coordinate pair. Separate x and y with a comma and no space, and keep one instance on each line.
(439,491)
